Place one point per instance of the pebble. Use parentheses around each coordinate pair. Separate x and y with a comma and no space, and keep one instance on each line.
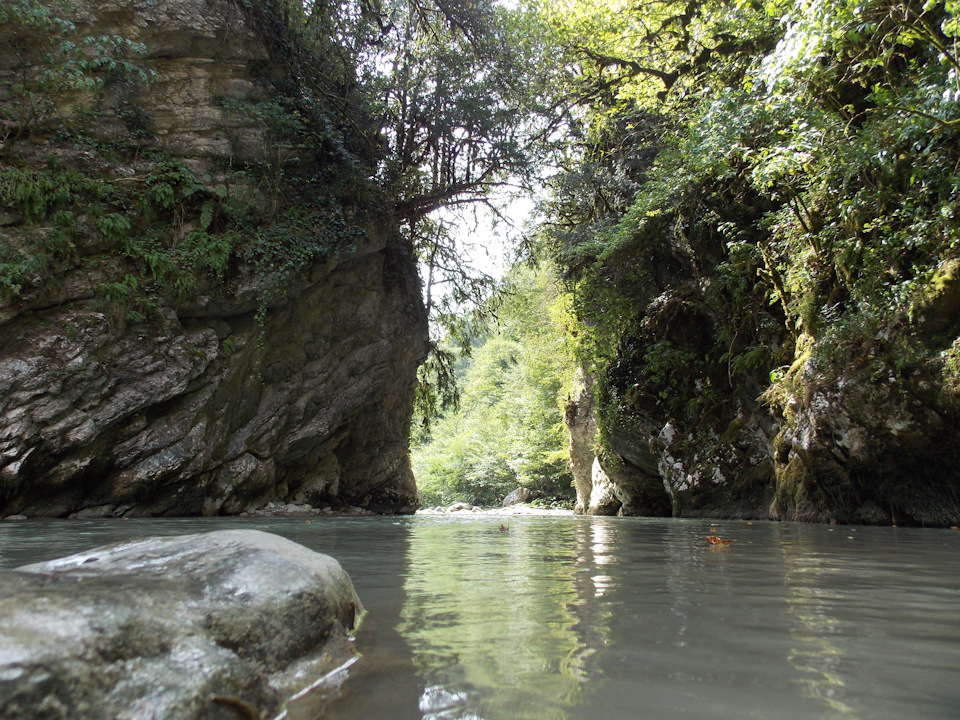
(15,517)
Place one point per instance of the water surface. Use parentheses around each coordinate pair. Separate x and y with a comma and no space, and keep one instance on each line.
(572,618)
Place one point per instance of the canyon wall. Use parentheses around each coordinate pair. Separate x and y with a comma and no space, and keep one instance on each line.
(714,402)
(196,317)
(868,436)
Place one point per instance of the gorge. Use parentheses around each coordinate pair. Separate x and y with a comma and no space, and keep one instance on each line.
(211,214)
(232,312)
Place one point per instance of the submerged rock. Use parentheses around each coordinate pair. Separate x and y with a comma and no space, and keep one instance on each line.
(198,626)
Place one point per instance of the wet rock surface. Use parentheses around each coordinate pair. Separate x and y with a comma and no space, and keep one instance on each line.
(198,626)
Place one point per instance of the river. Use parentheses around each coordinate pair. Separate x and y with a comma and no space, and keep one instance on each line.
(570,618)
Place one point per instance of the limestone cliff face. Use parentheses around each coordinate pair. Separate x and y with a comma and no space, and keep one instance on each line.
(858,441)
(868,441)
(581,419)
(256,381)
(596,494)
(861,431)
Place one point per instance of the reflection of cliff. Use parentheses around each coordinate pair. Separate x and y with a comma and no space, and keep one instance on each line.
(809,599)
(594,555)
(477,629)
(384,682)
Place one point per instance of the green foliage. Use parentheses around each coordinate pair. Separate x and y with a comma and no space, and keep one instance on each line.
(666,366)
(38,193)
(169,184)
(454,86)
(48,195)
(228,345)
(299,237)
(126,299)
(508,429)
(60,74)
(172,230)
(621,55)
(318,112)
(18,268)
(808,187)
(438,390)
(113,227)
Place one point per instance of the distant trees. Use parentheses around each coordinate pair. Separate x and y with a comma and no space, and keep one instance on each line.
(508,430)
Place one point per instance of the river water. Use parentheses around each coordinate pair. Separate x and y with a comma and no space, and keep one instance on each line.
(569,618)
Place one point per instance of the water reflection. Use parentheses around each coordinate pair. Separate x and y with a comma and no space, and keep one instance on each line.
(601,553)
(872,635)
(593,546)
(811,592)
(619,618)
(488,618)
(385,682)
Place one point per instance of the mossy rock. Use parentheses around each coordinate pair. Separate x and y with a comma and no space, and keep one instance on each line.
(938,306)
(791,483)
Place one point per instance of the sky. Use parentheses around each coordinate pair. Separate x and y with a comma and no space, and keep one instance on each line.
(490,243)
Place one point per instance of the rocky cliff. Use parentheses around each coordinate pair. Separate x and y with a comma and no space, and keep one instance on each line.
(765,265)
(718,396)
(867,445)
(201,310)
(857,424)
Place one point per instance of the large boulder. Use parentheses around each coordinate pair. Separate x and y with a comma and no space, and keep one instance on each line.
(517,496)
(603,499)
(223,624)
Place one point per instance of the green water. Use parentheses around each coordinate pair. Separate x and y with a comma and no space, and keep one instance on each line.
(604,618)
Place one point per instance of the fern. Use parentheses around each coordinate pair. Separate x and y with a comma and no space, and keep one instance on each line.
(162,195)
(113,227)
(207,211)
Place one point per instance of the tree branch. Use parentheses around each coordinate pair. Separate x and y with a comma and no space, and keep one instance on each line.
(632,66)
